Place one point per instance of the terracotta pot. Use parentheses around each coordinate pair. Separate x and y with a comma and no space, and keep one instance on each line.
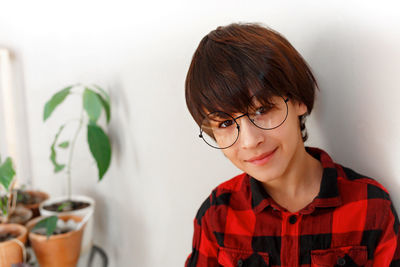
(59,250)
(35,207)
(20,215)
(87,241)
(10,251)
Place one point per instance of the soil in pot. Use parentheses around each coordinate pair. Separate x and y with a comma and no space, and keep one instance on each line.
(62,228)
(7,236)
(66,205)
(58,231)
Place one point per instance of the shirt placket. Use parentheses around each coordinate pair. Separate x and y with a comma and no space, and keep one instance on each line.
(290,239)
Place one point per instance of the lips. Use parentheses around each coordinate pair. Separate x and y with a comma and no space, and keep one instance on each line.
(262,156)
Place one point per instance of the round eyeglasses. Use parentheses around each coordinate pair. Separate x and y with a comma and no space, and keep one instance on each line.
(220,130)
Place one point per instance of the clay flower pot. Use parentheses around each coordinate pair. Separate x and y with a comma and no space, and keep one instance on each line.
(61,250)
(10,251)
(87,241)
(20,215)
(38,197)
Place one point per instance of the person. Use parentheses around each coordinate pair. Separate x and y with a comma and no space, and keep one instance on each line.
(250,92)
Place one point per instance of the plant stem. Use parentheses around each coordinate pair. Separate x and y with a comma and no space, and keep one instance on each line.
(13,197)
(70,156)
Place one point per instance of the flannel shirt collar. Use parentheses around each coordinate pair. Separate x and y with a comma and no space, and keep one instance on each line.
(328,195)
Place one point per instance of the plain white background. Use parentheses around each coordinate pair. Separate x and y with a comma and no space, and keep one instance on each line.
(140,51)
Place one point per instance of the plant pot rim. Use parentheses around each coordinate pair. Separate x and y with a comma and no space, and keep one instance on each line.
(34,191)
(42,194)
(39,237)
(73,198)
(23,231)
(83,198)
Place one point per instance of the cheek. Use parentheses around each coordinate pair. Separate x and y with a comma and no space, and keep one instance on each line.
(284,132)
(232,155)
(290,128)
(287,135)
(227,154)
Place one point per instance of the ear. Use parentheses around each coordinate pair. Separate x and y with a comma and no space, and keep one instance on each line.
(300,108)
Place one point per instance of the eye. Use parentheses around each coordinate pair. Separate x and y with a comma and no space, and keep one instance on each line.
(225,124)
(261,110)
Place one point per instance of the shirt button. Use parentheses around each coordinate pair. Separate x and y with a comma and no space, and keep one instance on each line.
(240,263)
(341,261)
(293,219)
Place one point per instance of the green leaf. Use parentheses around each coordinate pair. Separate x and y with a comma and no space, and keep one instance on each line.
(92,104)
(64,144)
(105,101)
(48,223)
(56,100)
(3,205)
(100,148)
(63,205)
(57,167)
(106,106)
(103,92)
(20,197)
(6,173)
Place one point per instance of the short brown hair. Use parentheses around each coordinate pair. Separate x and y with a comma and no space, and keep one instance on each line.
(235,61)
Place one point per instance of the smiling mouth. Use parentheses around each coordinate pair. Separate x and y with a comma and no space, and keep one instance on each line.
(262,159)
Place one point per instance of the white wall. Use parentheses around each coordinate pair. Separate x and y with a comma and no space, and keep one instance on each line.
(161,171)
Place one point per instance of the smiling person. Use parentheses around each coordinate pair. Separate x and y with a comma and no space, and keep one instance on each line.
(250,91)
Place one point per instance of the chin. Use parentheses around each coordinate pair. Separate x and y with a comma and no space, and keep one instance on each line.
(264,179)
(267,174)
(262,176)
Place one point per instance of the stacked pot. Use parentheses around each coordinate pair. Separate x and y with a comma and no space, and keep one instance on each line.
(12,251)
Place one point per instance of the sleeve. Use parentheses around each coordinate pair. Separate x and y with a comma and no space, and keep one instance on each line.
(387,251)
(204,249)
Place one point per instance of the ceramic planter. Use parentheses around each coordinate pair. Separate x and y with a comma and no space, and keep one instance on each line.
(35,206)
(87,241)
(61,250)
(20,215)
(10,251)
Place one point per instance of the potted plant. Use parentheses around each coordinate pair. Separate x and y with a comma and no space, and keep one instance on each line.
(56,241)
(94,100)
(12,236)
(9,212)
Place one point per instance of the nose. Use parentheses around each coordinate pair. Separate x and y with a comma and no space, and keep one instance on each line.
(250,136)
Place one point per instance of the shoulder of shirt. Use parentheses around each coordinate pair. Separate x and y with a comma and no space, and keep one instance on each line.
(372,184)
(220,195)
(374,191)
(232,185)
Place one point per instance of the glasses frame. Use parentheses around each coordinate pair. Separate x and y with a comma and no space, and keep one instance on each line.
(238,126)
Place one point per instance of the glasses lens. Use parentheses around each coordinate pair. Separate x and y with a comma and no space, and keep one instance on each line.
(219,130)
(268,115)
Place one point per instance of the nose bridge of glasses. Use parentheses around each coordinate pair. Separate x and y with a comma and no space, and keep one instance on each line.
(249,134)
(243,115)
(245,123)
(238,117)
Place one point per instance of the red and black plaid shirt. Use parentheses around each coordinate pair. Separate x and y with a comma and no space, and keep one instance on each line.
(352,222)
